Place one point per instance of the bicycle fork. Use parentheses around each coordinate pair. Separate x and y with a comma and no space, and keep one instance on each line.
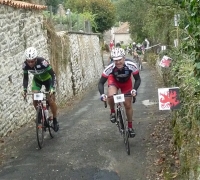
(119,121)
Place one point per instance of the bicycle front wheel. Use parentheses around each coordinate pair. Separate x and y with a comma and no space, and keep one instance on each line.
(40,127)
(126,133)
(120,122)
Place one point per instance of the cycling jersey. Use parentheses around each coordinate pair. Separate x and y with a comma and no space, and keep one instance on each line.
(139,50)
(42,72)
(121,78)
(121,75)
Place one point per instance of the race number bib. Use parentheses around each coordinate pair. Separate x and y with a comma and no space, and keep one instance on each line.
(38,96)
(119,98)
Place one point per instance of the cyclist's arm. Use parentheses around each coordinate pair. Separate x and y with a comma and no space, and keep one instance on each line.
(25,80)
(101,84)
(137,81)
(53,76)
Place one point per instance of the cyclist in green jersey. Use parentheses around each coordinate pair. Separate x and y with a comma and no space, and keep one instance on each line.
(43,74)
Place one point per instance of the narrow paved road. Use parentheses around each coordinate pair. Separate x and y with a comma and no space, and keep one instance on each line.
(88,146)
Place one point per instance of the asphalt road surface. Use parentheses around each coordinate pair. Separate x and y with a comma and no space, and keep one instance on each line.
(88,146)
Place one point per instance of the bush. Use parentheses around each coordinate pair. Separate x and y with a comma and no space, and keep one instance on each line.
(105,47)
(151,58)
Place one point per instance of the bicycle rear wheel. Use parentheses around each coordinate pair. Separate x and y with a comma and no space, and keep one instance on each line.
(50,127)
(39,127)
(49,121)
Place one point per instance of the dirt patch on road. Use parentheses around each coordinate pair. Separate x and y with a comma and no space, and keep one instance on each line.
(163,158)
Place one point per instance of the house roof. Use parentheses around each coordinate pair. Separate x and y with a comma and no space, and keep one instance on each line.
(123,29)
(22,5)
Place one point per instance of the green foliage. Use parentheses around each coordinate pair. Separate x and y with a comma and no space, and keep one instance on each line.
(192,45)
(77,20)
(103,11)
(149,18)
(54,4)
(105,47)
(90,17)
(161,28)
(158,24)
(133,12)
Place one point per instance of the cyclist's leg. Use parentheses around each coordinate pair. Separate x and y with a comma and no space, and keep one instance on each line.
(141,60)
(126,88)
(128,108)
(135,55)
(112,89)
(36,86)
(52,104)
(51,99)
(129,115)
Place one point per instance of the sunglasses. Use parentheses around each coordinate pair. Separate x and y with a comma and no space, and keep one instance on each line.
(30,62)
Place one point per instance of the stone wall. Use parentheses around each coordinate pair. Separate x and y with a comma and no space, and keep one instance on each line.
(76,59)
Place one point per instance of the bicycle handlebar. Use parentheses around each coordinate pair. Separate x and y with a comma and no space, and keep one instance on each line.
(36,92)
(126,95)
(32,93)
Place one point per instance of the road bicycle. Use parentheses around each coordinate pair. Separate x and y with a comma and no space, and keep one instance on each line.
(43,121)
(121,120)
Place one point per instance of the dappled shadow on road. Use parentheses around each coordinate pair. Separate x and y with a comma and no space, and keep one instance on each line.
(106,175)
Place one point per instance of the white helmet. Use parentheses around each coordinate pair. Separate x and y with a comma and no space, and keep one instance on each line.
(30,53)
(139,45)
(134,43)
(117,53)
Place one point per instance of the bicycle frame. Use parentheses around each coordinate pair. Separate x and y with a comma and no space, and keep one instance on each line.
(121,119)
(42,122)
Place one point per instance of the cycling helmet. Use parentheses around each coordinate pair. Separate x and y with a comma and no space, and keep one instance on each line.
(30,53)
(139,45)
(117,53)
(134,43)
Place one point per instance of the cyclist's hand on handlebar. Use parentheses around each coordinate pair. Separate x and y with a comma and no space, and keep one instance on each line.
(24,94)
(103,97)
(133,92)
(51,91)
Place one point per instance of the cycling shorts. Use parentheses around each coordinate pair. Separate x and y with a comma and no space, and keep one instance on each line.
(125,87)
(37,84)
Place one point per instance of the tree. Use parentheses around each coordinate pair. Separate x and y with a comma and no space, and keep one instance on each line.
(103,10)
(149,18)
(133,11)
(54,4)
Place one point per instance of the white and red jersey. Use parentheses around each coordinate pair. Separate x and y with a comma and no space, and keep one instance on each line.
(121,75)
